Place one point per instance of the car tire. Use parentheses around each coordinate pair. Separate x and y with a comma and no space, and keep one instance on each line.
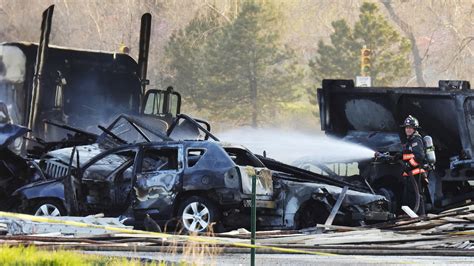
(198,215)
(48,208)
(390,196)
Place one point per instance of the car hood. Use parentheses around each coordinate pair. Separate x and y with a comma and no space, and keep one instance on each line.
(86,152)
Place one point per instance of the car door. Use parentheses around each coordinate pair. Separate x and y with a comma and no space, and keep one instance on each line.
(158,176)
(107,181)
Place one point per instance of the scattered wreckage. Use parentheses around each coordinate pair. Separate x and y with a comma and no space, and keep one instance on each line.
(15,170)
(135,169)
(150,162)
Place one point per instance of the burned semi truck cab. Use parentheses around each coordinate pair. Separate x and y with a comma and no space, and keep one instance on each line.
(76,87)
(81,88)
(372,116)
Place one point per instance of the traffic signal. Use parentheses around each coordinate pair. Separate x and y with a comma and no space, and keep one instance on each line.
(365,62)
(124,49)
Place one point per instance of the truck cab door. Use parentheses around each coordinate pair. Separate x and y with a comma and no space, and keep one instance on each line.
(163,104)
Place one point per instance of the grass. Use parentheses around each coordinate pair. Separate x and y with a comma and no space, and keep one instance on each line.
(191,253)
(196,253)
(20,255)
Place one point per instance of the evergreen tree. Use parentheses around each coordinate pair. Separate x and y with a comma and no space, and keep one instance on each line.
(237,71)
(185,56)
(341,58)
(249,72)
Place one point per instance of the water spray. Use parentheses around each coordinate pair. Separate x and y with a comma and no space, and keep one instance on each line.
(296,147)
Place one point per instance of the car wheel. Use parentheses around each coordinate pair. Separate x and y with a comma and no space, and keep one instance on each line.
(48,208)
(198,214)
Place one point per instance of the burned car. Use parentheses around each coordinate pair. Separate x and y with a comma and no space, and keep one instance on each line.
(199,181)
(15,170)
(134,171)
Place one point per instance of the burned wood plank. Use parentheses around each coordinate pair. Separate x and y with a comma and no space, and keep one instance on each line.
(55,239)
(342,228)
(374,239)
(416,220)
(336,206)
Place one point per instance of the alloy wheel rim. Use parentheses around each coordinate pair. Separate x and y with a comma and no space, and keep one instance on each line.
(47,210)
(196,217)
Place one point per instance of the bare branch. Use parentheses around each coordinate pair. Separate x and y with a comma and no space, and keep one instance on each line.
(464,43)
(429,45)
(414,48)
(94,19)
(217,11)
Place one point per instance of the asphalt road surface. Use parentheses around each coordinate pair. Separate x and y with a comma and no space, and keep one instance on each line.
(286,259)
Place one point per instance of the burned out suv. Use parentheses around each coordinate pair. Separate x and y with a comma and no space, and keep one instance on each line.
(192,182)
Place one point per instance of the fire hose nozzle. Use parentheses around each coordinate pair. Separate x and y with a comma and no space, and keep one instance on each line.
(382,156)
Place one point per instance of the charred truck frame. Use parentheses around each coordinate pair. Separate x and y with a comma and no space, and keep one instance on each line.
(371,116)
(80,88)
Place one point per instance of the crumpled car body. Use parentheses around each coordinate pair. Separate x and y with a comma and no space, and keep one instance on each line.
(154,178)
(15,170)
(305,198)
(150,177)
(136,170)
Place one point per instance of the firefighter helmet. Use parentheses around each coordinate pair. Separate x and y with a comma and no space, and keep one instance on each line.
(411,121)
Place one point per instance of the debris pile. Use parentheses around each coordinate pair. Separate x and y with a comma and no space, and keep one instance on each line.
(447,233)
(433,234)
(93,225)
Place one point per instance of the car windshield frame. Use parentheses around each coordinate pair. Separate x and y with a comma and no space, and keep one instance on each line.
(131,131)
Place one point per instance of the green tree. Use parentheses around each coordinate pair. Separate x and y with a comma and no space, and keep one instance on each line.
(341,59)
(236,69)
(184,54)
(250,73)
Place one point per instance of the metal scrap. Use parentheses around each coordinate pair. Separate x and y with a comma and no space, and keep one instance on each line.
(17,226)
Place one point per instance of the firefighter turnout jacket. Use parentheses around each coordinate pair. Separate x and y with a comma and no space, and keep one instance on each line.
(414,154)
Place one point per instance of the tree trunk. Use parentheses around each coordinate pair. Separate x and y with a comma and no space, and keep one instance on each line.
(253,96)
(253,91)
(414,48)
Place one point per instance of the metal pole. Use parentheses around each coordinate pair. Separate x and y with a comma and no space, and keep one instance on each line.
(253,218)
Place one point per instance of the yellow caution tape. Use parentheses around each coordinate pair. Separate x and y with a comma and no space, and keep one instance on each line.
(462,233)
(208,240)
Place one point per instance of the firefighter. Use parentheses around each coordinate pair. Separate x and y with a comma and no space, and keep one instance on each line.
(413,156)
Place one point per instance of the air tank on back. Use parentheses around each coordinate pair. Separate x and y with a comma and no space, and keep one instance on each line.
(429,150)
